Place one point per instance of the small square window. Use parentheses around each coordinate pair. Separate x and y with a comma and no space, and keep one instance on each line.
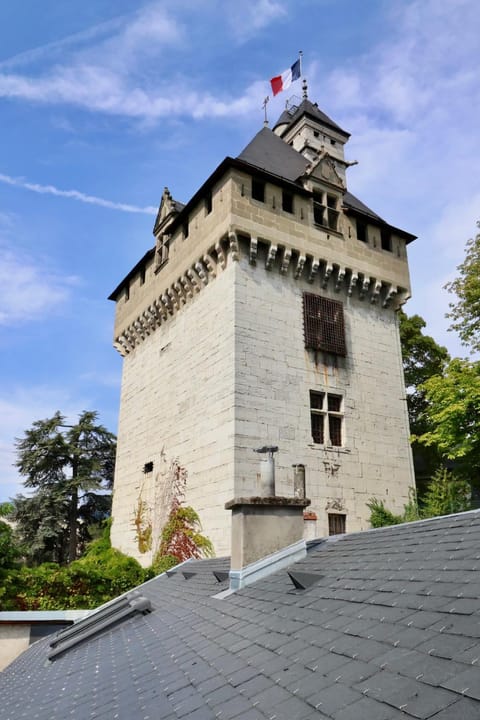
(336,524)
(258,190)
(323,324)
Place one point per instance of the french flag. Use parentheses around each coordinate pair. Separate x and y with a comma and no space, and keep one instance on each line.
(283,81)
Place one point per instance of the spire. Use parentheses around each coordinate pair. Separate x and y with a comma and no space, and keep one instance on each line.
(305,89)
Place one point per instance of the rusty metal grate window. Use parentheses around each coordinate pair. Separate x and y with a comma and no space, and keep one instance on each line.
(336,524)
(323,324)
(326,418)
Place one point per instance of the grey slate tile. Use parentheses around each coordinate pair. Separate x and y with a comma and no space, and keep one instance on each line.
(466,683)
(331,699)
(368,709)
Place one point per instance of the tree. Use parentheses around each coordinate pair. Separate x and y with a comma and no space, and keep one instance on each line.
(465,312)
(446,494)
(453,410)
(422,359)
(69,467)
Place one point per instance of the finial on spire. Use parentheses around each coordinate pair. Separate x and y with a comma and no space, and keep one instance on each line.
(305,89)
(265,120)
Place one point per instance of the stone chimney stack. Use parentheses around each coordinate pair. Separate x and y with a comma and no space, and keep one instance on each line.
(265,524)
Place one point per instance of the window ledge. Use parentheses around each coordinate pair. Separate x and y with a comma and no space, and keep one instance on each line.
(330,448)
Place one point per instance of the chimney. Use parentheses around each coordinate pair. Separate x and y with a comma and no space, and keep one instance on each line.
(267,529)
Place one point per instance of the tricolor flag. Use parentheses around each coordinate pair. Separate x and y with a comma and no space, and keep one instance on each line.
(283,81)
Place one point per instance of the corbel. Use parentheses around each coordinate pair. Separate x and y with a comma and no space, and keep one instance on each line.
(339,279)
(272,251)
(376,291)
(201,272)
(313,269)
(186,286)
(180,291)
(390,295)
(326,274)
(167,302)
(210,264)
(352,282)
(364,287)
(221,259)
(233,242)
(194,280)
(253,250)
(287,254)
(300,263)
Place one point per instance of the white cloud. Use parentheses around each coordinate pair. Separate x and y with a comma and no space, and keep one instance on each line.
(247,19)
(75,195)
(28,289)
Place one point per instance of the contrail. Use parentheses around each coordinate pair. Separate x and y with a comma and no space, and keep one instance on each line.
(76,195)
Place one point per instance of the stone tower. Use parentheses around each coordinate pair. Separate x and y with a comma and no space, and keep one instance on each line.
(265,314)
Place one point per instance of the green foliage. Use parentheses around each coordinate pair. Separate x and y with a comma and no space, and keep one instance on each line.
(9,552)
(143,526)
(422,358)
(454,416)
(162,563)
(380,516)
(100,575)
(6,509)
(446,494)
(465,312)
(69,468)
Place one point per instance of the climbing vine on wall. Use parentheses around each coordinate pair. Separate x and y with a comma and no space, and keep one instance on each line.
(143,526)
(181,536)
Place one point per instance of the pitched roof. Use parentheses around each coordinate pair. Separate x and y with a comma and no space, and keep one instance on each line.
(270,153)
(388,627)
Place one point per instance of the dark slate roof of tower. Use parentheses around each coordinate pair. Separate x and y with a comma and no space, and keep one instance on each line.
(270,153)
(387,627)
(293,114)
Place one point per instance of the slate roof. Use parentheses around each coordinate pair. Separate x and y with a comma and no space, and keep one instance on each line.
(390,628)
(293,114)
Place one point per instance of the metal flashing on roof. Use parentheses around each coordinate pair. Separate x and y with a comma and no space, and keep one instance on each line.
(268,565)
(97,622)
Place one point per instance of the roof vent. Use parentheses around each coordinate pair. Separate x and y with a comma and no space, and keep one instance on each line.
(221,576)
(97,622)
(188,575)
(302,581)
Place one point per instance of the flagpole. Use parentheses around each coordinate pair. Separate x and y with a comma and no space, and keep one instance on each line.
(300,55)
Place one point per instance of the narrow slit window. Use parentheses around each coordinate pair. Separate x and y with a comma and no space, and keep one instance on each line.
(323,323)
(386,239)
(287,201)
(361,230)
(208,203)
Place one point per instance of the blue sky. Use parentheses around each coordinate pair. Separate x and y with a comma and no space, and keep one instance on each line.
(104,103)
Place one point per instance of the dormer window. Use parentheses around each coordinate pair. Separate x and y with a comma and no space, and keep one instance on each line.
(325,209)
(258,190)
(163,243)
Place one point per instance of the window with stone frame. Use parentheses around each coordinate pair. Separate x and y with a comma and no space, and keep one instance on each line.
(326,418)
(337,524)
(323,324)
(161,251)
(325,209)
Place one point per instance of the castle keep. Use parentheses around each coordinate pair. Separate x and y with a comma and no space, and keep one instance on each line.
(266,314)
